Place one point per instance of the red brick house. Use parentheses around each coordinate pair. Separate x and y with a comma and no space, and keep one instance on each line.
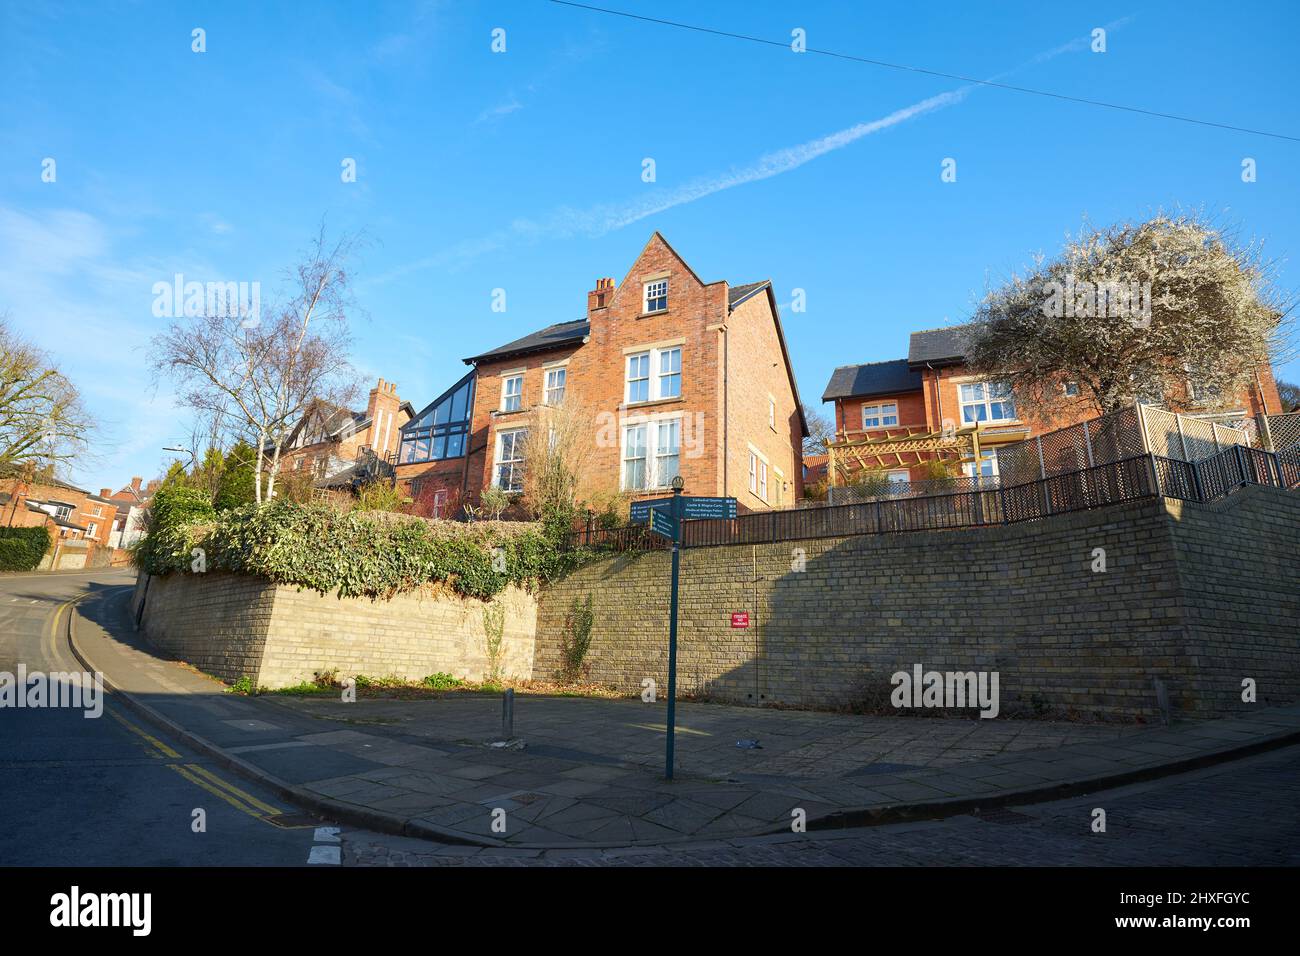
(677,376)
(80,524)
(911,399)
(328,442)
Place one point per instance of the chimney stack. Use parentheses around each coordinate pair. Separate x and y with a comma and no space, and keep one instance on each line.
(601,296)
(135,483)
(105,492)
(382,411)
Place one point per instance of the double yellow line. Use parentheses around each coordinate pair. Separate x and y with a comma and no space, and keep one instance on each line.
(241,800)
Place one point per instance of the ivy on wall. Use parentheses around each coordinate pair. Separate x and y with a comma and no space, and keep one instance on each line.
(21,549)
(350,554)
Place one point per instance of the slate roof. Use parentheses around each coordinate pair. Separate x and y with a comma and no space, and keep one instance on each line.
(737,294)
(551,337)
(939,346)
(875,378)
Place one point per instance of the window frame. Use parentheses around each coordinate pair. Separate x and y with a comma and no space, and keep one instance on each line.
(653,455)
(654,373)
(880,415)
(562,371)
(986,402)
(646,297)
(430,436)
(517,463)
(759,472)
(507,395)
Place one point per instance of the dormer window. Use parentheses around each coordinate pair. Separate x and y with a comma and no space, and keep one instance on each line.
(656,296)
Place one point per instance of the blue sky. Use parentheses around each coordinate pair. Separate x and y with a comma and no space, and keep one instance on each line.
(522,170)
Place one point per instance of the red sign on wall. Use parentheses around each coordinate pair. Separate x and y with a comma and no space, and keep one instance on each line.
(740,619)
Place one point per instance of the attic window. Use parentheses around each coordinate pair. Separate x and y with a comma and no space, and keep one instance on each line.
(656,296)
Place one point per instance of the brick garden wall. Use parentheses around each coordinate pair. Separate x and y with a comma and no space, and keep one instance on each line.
(1196,596)
(233,626)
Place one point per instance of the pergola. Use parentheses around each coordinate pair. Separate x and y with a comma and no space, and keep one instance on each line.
(885,450)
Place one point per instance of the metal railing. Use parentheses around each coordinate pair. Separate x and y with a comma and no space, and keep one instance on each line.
(1130,479)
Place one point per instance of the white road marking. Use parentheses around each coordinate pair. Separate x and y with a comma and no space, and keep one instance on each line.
(327,835)
(325,854)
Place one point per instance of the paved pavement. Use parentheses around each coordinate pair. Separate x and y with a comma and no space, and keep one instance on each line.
(589,773)
(112,790)
(1242,813)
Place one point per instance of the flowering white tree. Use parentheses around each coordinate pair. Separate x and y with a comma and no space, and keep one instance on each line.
(1135,312)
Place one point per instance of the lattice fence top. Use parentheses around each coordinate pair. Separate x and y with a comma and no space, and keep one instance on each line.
(1114,437)
(1285,430)
(1099,441)
(1187,439)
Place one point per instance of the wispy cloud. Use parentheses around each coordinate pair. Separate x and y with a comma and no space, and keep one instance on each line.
(510,105)
(596,221)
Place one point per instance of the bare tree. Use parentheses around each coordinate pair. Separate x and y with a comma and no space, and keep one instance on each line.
(42,418)
(1135,312)
(557,452)
(820,432)
(265,374)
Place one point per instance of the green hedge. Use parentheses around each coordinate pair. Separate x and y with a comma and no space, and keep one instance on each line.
(351,554)
(21,549)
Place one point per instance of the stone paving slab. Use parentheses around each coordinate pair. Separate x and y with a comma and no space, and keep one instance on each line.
(590,771)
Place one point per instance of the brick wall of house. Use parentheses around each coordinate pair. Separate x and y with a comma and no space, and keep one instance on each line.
(1197,596)
(758,375)
(697,321)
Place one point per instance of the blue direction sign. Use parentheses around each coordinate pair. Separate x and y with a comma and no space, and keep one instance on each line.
(641,509)
(661,523)
(696,508)
(692,508)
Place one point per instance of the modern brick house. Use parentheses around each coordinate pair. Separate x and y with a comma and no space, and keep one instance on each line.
(913,398)
(675,375)
(329,442)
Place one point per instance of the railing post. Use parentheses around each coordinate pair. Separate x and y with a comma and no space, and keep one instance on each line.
(1264,432)
(1197,485)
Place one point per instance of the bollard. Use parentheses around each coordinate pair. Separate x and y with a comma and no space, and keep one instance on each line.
(1162,700)
(508,714)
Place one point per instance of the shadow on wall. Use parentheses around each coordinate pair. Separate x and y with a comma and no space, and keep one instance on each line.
(1078,614)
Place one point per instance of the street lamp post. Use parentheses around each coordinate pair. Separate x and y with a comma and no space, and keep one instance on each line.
(676,506)
(194,459)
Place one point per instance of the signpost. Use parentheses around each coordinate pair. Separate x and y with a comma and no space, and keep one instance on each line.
(665,516)
(693,508)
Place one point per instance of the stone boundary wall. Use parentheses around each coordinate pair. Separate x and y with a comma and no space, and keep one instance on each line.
(1199,596)
(233,626)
